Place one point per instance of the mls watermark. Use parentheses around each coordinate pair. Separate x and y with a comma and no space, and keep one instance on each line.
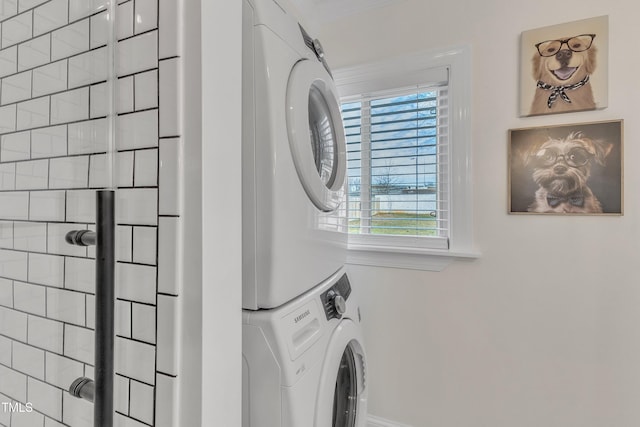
(16,407)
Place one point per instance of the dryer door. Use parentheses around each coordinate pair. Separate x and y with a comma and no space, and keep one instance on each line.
(316,135)
(342,394)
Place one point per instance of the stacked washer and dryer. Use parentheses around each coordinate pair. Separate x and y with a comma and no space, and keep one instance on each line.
(303,357)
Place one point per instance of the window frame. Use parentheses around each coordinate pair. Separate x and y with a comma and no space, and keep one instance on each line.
(416,69)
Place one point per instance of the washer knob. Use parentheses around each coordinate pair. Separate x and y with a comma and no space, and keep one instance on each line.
(338,302)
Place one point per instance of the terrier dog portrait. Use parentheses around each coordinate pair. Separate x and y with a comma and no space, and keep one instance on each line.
(561,69)
(561,169)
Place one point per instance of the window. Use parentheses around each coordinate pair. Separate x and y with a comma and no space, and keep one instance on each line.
(408,142)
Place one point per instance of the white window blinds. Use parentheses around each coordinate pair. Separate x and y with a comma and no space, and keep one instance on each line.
(398,160)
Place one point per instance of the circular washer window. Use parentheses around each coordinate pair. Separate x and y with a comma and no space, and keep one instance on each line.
(316,136)
(345,399)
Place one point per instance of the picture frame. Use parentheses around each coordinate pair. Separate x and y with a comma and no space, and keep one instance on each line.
(564,67)
(570,169)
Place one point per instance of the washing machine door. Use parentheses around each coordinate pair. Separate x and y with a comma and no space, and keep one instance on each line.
(342,394)
(316,134)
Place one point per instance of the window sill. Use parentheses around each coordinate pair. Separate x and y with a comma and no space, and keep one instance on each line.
(406,258)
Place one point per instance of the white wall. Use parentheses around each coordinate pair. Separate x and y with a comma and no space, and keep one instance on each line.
(544,328)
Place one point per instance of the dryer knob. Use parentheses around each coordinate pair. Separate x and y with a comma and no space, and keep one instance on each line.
(338,302)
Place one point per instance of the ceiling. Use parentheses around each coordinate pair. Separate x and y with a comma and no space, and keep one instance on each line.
(323,11)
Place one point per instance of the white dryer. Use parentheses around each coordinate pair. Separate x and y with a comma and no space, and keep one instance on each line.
(294,160)
(304,363)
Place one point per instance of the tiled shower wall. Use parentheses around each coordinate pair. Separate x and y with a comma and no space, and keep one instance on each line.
(53,140)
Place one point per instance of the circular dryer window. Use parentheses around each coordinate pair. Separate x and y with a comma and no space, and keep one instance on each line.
(316,135)
(345,399)
(323,137)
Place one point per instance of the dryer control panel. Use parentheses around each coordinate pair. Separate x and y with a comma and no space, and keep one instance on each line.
(335,298)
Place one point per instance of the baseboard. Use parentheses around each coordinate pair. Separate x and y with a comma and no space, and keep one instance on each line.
(373,421)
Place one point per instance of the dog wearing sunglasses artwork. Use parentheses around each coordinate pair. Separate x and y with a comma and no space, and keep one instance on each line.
(562,69)
(561,169)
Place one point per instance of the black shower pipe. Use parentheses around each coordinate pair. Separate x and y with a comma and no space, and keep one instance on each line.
(100,391)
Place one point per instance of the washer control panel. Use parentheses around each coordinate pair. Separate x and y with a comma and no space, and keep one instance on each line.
(334,300)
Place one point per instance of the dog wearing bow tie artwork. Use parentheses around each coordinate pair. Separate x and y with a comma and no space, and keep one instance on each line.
(561,69)
(561,169)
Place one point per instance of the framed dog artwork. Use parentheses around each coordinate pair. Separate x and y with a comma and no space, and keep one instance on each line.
(564,67)
(567,169)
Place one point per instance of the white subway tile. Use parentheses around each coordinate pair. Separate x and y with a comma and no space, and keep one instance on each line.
(88,137)
(99,30)
(48,422)
(5,416)
(124,20)
(7,118)
(123,318)
(170,177)
(70,106)
(143,319)
(28,360)
(137,206)
(136,283)
(138,53)
(5,351)
(6,294)
(17,29)
(138,130)
(6,235)
(34,52)
(77,412)
(32,175)
(50,78)
(69,172)
(135,360)
(45,398)
(146,90)
(170,88)
(169,259)
(146,168)
(33,113)
(45,333)
(141,402)
(121,421)
(170,23)
(13,324)
(13,384)
(50,16)
(49,141)
(62,371)
(81,206)
(81,8)
(80,274)
(13,264)
(98,101)
(168,330)
(70,40)
(144,245)
(30,236)
(125,94)
(146,15)
(123,170)
(29,298)
(14,205)
(66,306)
(47,206)
(28,419)
(16,88)
(78,344)
(15,146)
(88,68)
(46,269)
(56,243)
(8,61)
(8,8)
(121,394)
(7,176)
(28,4)
(124,242)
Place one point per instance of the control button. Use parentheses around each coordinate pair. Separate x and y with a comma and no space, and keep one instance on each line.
(337,301)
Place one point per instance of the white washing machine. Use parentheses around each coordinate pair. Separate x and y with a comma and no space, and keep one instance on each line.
(294,160)
(304,363)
